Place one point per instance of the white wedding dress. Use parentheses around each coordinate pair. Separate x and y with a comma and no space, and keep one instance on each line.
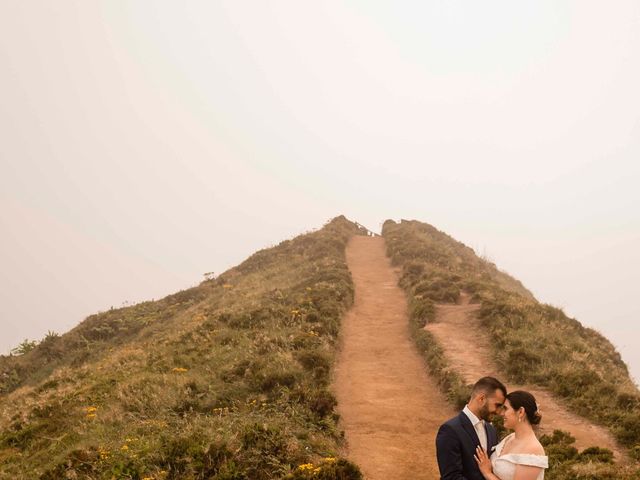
(504,466)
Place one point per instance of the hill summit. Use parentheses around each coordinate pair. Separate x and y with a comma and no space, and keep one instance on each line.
(232,379)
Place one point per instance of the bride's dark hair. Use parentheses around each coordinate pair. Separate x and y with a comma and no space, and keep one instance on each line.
(520,399)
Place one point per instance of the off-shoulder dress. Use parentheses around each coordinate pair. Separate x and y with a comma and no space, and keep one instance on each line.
(504,466)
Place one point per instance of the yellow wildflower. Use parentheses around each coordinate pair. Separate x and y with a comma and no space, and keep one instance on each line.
(104,454)
(306,467)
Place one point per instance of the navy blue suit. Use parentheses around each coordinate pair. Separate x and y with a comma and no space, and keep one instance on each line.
(456,444)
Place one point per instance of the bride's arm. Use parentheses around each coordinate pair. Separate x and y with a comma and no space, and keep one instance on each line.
(484,464)
(525,472)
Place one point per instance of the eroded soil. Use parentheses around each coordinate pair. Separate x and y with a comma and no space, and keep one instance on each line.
(468,350)
(390,408)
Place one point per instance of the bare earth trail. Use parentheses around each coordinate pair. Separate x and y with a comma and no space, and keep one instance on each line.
(468,351)
(390,408)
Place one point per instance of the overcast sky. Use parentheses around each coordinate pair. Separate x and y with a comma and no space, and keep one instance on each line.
(145,143)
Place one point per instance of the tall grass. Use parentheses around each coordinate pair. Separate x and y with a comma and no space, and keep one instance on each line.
(227,380)
(532,342)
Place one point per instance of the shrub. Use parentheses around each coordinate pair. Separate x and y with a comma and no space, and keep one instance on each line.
(560,450)
(25,347)
(596,454)
(634,453)
(221,381)
(81,462)
(327,469)
(422,311)
(628,401)
(322,403)
(532,342)
(628,432)
(193,456)
(265,450)
(559,437)
(317,362)
(522,363)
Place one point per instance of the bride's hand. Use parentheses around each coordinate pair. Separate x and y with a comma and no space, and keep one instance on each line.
(483,462)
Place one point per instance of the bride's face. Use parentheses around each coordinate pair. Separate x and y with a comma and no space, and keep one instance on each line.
(510,416)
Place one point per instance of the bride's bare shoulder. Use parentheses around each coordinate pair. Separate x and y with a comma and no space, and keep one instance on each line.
(534,447)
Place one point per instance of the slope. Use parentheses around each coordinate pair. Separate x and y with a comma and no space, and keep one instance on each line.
(467,348)
(227,380)
(528,343)
(390,408)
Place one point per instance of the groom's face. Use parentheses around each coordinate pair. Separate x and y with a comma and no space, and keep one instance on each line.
(492,405)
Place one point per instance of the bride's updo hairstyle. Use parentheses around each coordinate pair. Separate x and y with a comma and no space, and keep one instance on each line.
(521,399)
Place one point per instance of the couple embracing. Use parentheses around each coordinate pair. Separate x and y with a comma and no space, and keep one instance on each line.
(467,445)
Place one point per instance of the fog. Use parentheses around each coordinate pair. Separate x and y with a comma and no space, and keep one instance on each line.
(146,143)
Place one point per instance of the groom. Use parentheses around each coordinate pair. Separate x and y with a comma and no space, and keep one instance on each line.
(458,438)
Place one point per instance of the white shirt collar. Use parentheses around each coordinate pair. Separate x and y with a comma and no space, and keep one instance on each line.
(474,420)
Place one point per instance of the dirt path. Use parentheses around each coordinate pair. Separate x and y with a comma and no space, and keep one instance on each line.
(468,351)
(390,408)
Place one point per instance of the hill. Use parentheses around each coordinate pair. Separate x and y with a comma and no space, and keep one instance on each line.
(227,380)
(232,379)
(530,342)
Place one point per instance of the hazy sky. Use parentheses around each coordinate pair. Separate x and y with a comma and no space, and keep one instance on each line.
(145,143)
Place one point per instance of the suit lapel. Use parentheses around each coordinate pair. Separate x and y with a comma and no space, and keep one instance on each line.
(468,427)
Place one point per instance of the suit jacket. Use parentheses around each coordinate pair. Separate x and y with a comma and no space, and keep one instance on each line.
(456,444)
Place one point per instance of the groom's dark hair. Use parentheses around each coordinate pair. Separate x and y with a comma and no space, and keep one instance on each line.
(488,385)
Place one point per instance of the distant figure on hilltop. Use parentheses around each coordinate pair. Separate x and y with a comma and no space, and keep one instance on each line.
(467,445)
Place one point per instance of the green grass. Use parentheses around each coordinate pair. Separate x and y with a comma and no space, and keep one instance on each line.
(227,380)
(533,343)
(230,379)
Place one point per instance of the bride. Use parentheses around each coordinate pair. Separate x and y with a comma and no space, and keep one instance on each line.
(519,456)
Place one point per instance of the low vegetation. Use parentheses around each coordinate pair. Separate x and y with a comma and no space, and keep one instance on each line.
(227,380)
(532,342)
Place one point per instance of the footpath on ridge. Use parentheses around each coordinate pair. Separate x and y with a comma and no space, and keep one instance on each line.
(390,408)
(468,351)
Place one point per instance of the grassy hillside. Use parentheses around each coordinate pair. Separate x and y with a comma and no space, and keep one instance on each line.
(533,343)
(227,380)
